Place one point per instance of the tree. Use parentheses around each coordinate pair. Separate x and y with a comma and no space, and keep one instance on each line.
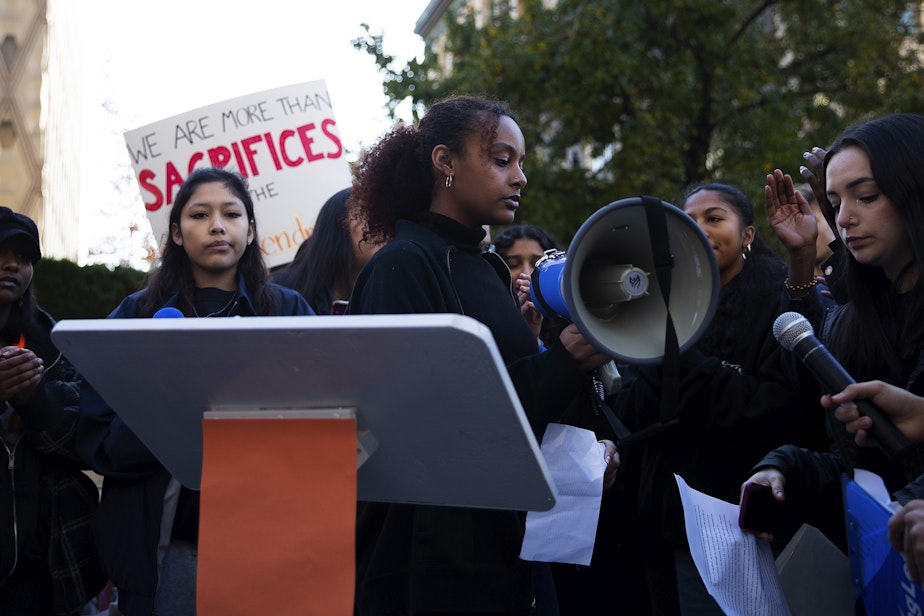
(618,99)
(68,291)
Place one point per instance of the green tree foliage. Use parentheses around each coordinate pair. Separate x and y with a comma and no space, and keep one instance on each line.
(68,291)
(662,94)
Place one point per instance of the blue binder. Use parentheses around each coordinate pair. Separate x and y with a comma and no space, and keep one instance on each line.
(880,580)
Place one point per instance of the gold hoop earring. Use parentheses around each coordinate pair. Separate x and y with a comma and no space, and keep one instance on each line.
(449,181)
(746,252)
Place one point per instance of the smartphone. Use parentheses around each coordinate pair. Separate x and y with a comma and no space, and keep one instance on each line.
(760,511)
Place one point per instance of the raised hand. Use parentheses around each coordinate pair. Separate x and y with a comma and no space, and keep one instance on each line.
(789,213)
(812,174)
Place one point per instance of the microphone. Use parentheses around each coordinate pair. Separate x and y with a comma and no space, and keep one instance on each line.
(168,313)
(794,333)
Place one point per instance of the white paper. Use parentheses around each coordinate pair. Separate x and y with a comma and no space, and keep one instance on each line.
(737,568)
(566,532)
(875,487)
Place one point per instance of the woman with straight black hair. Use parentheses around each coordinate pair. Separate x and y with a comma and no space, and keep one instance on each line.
(874,185)
(328,262)
(147,526)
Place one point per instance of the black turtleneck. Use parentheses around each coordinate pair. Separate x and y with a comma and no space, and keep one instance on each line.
(483,294)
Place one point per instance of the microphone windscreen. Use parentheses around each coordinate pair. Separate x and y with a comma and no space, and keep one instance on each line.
(789,328)
(168,313)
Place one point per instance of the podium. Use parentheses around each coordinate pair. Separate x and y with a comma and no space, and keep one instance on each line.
(425,402)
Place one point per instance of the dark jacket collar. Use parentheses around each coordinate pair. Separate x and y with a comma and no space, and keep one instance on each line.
(245,305)
(435,234)
(454,232)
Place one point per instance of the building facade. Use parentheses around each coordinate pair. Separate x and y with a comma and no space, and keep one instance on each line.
(39,120)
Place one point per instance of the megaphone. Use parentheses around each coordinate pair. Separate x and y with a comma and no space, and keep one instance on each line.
(622,264)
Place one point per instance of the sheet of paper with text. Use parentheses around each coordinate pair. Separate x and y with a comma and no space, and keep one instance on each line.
(737,568)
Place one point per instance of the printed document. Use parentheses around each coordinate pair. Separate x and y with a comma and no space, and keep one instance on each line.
(737,568)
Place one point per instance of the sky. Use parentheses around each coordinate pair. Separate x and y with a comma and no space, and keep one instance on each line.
(143,61)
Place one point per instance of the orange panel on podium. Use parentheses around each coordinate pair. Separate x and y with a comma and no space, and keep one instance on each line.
(278,500)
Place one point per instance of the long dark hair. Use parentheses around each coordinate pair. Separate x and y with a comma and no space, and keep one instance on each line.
(511,233)
(876,337)
(324,262)
(174,273)
(394,179)
(760,279)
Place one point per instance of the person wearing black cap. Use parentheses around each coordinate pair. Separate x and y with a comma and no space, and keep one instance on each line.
(47,560)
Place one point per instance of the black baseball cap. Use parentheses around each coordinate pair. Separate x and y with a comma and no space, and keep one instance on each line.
(16,225)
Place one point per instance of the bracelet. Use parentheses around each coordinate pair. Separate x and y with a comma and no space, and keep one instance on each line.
(798,288)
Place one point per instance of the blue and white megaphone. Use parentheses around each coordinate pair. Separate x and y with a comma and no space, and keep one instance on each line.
(623,263)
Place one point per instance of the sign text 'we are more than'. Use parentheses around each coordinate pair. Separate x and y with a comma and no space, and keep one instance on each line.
(286,142)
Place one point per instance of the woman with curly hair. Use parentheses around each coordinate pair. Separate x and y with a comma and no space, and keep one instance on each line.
(427,190)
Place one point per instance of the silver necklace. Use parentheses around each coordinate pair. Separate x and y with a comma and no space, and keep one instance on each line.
(229,307)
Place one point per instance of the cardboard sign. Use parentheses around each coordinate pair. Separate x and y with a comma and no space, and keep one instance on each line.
(285,141)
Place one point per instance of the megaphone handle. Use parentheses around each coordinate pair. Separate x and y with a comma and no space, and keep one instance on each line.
(620,430)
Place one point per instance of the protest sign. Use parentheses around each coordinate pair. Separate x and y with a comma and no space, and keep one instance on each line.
(285,141)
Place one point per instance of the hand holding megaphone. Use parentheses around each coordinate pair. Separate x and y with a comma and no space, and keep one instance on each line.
(581,350)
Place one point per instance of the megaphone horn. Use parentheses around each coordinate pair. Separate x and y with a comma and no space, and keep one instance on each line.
(621,265)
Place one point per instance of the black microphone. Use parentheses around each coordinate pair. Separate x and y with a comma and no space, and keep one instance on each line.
(795,333)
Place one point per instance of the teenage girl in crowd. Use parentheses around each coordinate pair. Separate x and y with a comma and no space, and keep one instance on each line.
(521,246)
(874,183)
(211,266)
(731,407)
(427,191)
(47,561)
(327,263)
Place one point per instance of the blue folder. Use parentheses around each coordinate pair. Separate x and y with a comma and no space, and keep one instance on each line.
(880,581)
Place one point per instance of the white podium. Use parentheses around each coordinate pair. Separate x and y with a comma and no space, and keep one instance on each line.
(431,390)
(264,413)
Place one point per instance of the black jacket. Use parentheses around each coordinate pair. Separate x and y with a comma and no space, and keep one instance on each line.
(736,402)
(422,558)
(45,517)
